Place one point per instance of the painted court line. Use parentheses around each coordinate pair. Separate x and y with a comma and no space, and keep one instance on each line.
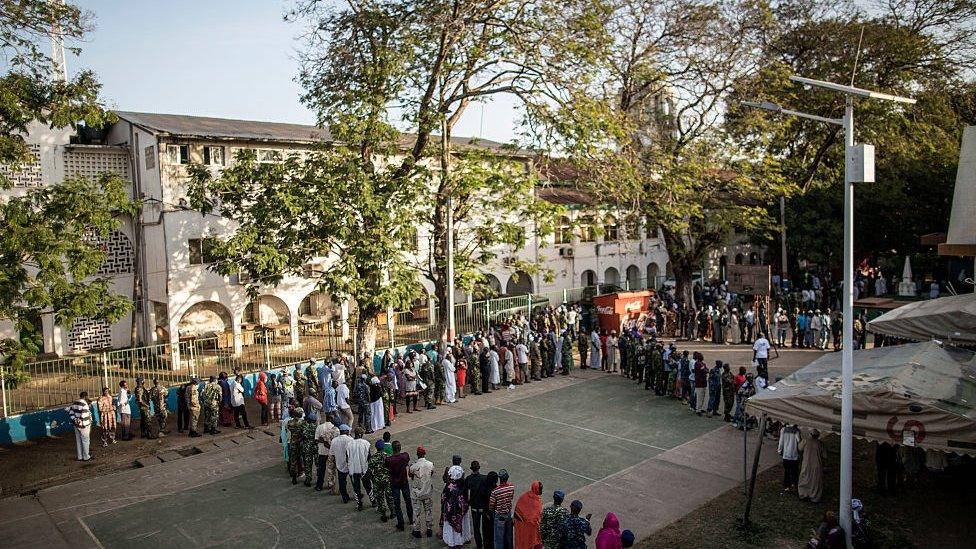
(90,534)
(594,431)
(513,454)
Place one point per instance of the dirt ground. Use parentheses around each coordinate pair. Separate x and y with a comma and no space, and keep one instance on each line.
(932,513)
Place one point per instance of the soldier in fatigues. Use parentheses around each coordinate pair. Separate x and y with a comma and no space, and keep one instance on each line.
(143,400)
(312,381)
(158,395)
(300,387)
(211,406)
(439,388)
(728,391)
(309,448)
(535,358)
(567,342)
(382,494)
(360,394)
(638,372)
(474,373)
(545,354)
(427,374)
(624,345)
(295,428)
(652,361)
(662,374)
(192,395)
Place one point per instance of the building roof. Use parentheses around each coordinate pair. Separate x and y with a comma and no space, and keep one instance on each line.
(565,196)
(205,127)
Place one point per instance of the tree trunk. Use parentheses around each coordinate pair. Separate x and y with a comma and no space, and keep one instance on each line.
(366,327)
(683,284)
(441,290)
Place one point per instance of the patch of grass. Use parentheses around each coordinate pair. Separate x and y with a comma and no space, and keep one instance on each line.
(934,513)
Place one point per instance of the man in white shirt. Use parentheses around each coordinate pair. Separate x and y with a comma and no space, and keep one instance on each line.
(760,354)
(342,402)
(325,464)
(81,418)
(125,411)
(337,451)
(522,354)
(612,351)
(571,318)
(421,489)
(357,460)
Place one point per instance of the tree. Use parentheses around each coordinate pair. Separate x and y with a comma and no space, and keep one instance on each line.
(904,50)
(647,131)
(453,53)
(50,237)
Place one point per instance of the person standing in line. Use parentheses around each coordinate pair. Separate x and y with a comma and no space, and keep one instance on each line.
(325,464)
(261,397)
(714,388)
(701,383)
(81,418)
(553,517)
(144,403)
(609,536)
(158,395)
(575,528)
(789,443)
(522,356)
(125,411)
(528,517)
(596,361)
(728,392)
(106,417)
(760,353)
(191,394)
(477,496)
(237,402)
(493,362)
(309,446)
(294,428)
(338,453)
(357,457)
(500,503)
(583,344)
(421,487)
(535,359)
(450,377)
(454,509)
(212,396)
(182,409)
(612,343)
(342,402)
(567,355)
(380,477)
(809,486)
(397,465)
(226,406)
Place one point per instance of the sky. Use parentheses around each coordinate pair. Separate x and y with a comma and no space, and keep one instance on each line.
(223,58)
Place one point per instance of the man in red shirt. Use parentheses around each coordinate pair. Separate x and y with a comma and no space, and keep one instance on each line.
(739,378)
(500,502)
(399,484)
(701,383)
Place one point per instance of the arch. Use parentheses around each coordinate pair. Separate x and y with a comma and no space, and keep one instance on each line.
(319,306)
(267,309)
(588,278)
(738,259)
(633,277)
(652,273)
(520,283)
(611,276)
(205,318)
(668,270)
(488,287)
(754,258)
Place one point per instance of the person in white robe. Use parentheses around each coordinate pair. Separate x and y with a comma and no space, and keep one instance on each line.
(450,379)
(596,361)
(495,373)
(377,420)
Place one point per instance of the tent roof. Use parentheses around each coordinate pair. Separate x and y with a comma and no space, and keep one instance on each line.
(923,387)
(950,318)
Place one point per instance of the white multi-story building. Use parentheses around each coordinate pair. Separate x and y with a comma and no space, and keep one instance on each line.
(160,258)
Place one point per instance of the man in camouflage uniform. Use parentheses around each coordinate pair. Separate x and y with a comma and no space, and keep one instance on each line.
(301,389)
(583,344)
(192,395)
(295,427)
(382,494)
(567,343)
(654,365)
(728,391)
(545,354)
(312,380)
(143,400)
(474,372)
(309,447)
(633,351)
(158,395)
(360,394)
(535,359)
(427,374)
(439,387)
(211,406)
(552,519)
(638,372)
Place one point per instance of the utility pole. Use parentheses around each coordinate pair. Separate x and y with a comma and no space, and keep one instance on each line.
(445,174)
(858,168)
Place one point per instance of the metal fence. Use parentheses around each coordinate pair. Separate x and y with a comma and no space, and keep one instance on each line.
(56,383)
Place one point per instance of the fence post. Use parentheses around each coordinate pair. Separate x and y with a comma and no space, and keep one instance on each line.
(267,352)
(193,358)
(3,391)
(487,315)
(105,369)
(528,307)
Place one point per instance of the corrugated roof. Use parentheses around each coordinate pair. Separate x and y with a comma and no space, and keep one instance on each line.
(205,127)
(565,196)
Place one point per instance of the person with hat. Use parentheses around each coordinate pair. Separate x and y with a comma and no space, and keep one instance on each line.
(337,451)
(527,517)
(454,509)
(158,395)
(309,446)
(575,528)
(125,411)
(553,516)
(212,394)
(476,493)
(325,471)
(501,503)
(421,486)
(106,417)
(357,460)
(455,460)
(626,539)
(144,402)
(380,477)
(360,394)
(377,419)
(191,395)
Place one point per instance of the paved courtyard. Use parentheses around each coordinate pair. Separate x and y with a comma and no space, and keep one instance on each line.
(598,437)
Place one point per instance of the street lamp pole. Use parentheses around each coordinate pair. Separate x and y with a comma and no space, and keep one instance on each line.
(861,161)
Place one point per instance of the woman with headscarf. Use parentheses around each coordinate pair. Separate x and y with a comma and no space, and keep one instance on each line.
(226,408)
(377,420)
(609,536)
(261,396)
(454,507)
(528,518)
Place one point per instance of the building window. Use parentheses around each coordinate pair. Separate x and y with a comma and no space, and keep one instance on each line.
(269,155)
(611,233)
(201,250)
(633,229)
(213,156)
(587,229)
(564,231)
(178,154)
(150,153)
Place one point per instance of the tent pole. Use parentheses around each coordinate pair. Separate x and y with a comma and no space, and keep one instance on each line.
(755,470)
(745,459)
